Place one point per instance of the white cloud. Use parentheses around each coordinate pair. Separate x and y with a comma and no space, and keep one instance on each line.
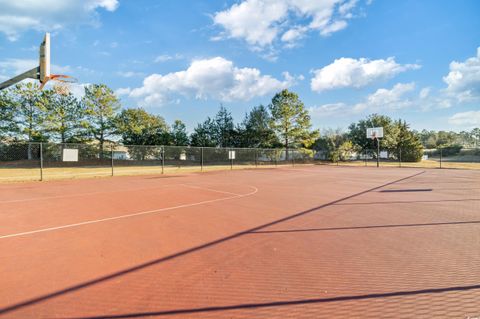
(263,22)
(334,27)
(165,57)
(123,91)
(327,110)
(387,99)
(348,72)
(215,78)
(129,74)
(468,119)
(424,93)
(463,80)
(17,17)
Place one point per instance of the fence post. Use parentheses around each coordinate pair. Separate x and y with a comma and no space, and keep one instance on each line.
(441,155)
(231,159)
(163,159)
(400,158)
(111,155)
(41,161)
(201,159)
(293,158)
(365,156)
(256,157)
(378,152)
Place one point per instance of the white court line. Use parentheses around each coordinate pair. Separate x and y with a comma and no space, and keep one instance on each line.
(84,194)
(43,230)
(210,189)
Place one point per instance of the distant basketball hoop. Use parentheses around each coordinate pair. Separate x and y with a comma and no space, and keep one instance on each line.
(376,133)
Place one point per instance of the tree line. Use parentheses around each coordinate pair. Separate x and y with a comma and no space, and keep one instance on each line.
(29,114)
(33,115)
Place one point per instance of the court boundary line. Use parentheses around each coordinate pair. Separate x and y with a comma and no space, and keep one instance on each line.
(82,194)
(107,192)
(148,212)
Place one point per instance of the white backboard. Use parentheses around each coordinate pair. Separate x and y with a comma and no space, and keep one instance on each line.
(45,58)
(70,155)
(375,132)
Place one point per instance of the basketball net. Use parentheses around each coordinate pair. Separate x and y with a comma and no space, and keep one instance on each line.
(62,83)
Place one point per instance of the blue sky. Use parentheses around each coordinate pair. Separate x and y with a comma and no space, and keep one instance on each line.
(415,60)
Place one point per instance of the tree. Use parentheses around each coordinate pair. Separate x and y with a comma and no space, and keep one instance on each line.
(64,116)
(138,127)
(428,138)
(255,130)
(101,108)
(224,128)
(445,138)
(476,136)
(291,121)
(334,145)
(409,145)
(204,134)
(8,126)
(30,113)
(179,136)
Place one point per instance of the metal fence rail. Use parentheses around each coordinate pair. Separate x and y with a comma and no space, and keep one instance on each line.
(33,161)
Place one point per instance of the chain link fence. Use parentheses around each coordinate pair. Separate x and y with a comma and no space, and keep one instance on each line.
(444,157)
(34,161)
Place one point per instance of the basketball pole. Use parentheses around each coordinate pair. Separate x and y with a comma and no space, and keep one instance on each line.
(378,151)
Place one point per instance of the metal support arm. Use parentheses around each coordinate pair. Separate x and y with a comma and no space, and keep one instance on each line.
(31,74)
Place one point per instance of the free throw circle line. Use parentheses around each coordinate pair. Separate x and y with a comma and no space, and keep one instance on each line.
(96,221)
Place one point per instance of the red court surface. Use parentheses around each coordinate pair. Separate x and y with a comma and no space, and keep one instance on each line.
(304,242)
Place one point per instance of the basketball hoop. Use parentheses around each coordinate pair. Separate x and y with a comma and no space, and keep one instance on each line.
(375,133)
(62,83)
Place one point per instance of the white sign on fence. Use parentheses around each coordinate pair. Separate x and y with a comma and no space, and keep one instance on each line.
(70,155)
(231,155)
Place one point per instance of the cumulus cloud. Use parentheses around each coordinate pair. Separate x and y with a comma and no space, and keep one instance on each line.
(215,78)
(468,119)
(356,73)
(17,17)
(389,99)
(263,22)
(463,80)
